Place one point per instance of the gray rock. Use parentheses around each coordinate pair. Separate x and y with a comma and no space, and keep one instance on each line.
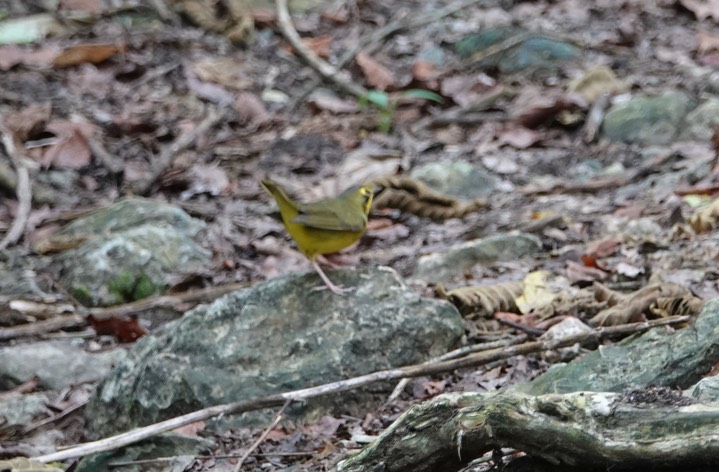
(129,249)
(17,281)
(656,358)
(458,178)
(461,258)
(18,409)
(705,391)
(531,52)
(182,450)
(274,337)
(57,364)
(647,120)
(700,122)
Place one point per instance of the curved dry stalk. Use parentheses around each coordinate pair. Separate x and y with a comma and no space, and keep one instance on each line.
(325,69)
(23,190)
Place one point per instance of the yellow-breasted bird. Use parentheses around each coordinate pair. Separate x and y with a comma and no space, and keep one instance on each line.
(325,226)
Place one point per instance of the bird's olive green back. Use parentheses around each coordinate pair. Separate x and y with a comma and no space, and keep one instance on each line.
(347,212)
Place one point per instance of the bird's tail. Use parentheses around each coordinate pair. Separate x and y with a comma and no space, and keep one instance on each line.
(287,206)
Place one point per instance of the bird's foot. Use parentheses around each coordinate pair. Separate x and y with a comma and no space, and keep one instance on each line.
(328,283)
(336,289)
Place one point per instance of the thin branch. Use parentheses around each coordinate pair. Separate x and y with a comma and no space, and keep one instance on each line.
(370,42)
(41,327)
(461,352)
(325,69)
(174,301)
(633,175)
(103,156)
(262,437)
(23,190)
(53,418)
(177,301)
(278,399)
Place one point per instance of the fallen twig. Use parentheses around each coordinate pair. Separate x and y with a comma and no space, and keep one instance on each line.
(325,69)
(175,301)
(53,418)
(278,399)
(255,445)
(23,190)
(462,351)
(41,327)
(98,150)
(371,41)
(646,168)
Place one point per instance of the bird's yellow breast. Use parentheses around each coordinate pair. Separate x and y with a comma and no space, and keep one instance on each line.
(314,241)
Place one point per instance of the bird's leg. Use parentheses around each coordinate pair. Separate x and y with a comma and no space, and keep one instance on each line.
(332,287)
(327,261)
(337,260)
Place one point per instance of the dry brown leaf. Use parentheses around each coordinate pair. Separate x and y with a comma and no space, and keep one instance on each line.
(320,45)
(28,121)
(424,71)
(190,429)
(582,273)
(207,90)
(337,15)
(125,329)
(535,107)
(235,19)
(529,320)
(87,53)
(376,74)
(677,306)
(264,16)
(427,388)
(90,6)
(333,104)
(224,71)
(604,247)
(707,42)
(483,300)
(325,427)
(251,110)
(636,306)
(519,137)
(13,54)
(71,151)
(467,89)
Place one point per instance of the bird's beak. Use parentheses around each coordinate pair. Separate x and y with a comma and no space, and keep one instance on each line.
(377,191)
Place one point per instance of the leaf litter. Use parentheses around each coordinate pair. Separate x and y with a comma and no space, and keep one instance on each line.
(64,93)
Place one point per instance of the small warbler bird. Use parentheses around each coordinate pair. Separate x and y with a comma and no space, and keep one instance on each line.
(325,226)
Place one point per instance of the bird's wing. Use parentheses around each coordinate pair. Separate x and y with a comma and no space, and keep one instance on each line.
(330,219)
